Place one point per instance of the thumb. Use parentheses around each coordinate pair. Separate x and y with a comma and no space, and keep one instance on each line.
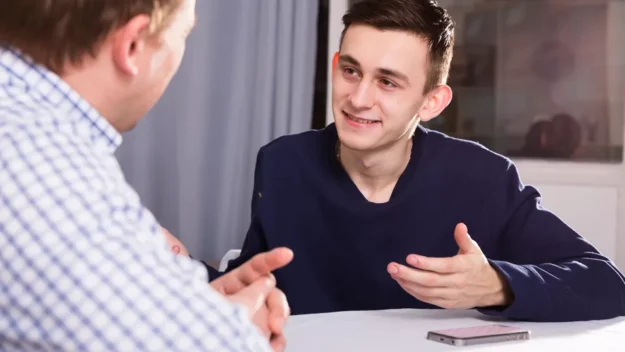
(465,242)
(253,297)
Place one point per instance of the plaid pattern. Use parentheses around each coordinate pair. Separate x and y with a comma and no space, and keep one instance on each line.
(83,265)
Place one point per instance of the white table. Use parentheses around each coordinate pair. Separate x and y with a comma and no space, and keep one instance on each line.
(406,330)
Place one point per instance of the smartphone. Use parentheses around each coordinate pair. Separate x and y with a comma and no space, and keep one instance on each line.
(478,334)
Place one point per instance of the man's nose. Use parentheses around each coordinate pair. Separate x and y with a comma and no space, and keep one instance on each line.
(363,96)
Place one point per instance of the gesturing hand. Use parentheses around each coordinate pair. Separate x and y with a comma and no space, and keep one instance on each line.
(246,285)
(267,308)
(464,281)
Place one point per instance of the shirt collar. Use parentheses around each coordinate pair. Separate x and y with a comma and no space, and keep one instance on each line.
(48,89)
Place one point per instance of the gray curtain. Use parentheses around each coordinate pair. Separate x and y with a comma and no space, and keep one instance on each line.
(246,79)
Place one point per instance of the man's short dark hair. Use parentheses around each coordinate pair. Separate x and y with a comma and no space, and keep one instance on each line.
(424,18)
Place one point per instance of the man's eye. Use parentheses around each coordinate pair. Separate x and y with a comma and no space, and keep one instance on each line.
(387,83)
(350,71)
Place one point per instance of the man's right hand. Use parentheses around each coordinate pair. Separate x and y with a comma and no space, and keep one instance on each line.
(260,299)
(252,285)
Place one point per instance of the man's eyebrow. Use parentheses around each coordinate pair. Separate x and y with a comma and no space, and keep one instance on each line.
(382,71)
(394,74)
(349,59)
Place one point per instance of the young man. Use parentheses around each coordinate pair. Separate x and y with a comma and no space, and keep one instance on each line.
(378,210)
(84,265)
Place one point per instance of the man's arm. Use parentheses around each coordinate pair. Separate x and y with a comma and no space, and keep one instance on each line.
(112,291)
(86,267)
(255,241)
(253,244)
(553,273)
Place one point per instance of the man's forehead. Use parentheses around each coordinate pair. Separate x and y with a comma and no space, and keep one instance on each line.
(392,49)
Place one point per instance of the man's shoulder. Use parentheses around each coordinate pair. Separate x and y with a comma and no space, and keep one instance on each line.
(296,156)
(28,120)
(16,132)
(307,147)
(45,152)
(307,140)
(466,156)
(33,135)
(42,166)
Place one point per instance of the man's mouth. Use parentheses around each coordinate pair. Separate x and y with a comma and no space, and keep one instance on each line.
(359,120)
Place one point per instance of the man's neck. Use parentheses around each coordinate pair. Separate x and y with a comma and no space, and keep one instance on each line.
(104,99)
(376,173)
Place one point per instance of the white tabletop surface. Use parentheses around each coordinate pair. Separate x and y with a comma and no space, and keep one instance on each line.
(406,330)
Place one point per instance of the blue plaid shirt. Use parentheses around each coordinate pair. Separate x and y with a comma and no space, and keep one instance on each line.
(83,265)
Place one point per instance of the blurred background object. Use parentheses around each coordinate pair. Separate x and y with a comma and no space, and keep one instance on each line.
(516,59)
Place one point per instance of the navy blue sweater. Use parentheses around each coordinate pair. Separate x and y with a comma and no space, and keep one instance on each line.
(303,199)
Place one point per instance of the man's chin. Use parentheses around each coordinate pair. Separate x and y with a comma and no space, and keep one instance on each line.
(357,143)
(126,126)
(131,126)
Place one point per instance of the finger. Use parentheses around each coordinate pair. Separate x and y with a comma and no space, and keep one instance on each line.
(279,310)
(253,297)
(276,323)
(465,243)
(260,265)
(183,251)
(260,320)
(174,244)
(171,239)
(423,278)
(278,343)
(448,265)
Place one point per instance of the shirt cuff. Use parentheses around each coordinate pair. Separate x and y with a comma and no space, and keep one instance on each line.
(530,300)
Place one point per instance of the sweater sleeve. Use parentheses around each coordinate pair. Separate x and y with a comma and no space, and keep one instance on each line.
(553,272)
(255,241)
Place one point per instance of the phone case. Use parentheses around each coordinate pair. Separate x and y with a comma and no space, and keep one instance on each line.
(478,335)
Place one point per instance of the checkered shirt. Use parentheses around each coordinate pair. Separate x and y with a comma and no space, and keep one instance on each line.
(83,265)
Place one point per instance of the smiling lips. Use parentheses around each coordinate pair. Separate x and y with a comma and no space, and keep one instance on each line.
(353,120)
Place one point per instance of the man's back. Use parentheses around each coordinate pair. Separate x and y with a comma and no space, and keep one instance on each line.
(84,265)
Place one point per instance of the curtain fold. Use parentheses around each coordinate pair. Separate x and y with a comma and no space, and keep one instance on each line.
(246,79)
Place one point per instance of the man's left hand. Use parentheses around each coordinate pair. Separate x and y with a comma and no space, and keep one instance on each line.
(174,244)
(464,281)
(272,321)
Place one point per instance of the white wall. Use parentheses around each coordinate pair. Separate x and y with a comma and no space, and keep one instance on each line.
(588,197)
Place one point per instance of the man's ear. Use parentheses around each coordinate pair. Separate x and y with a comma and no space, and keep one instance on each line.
(335,61)
(438,99)
(128,42)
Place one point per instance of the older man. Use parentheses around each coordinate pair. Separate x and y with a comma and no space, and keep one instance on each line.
(84,265)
